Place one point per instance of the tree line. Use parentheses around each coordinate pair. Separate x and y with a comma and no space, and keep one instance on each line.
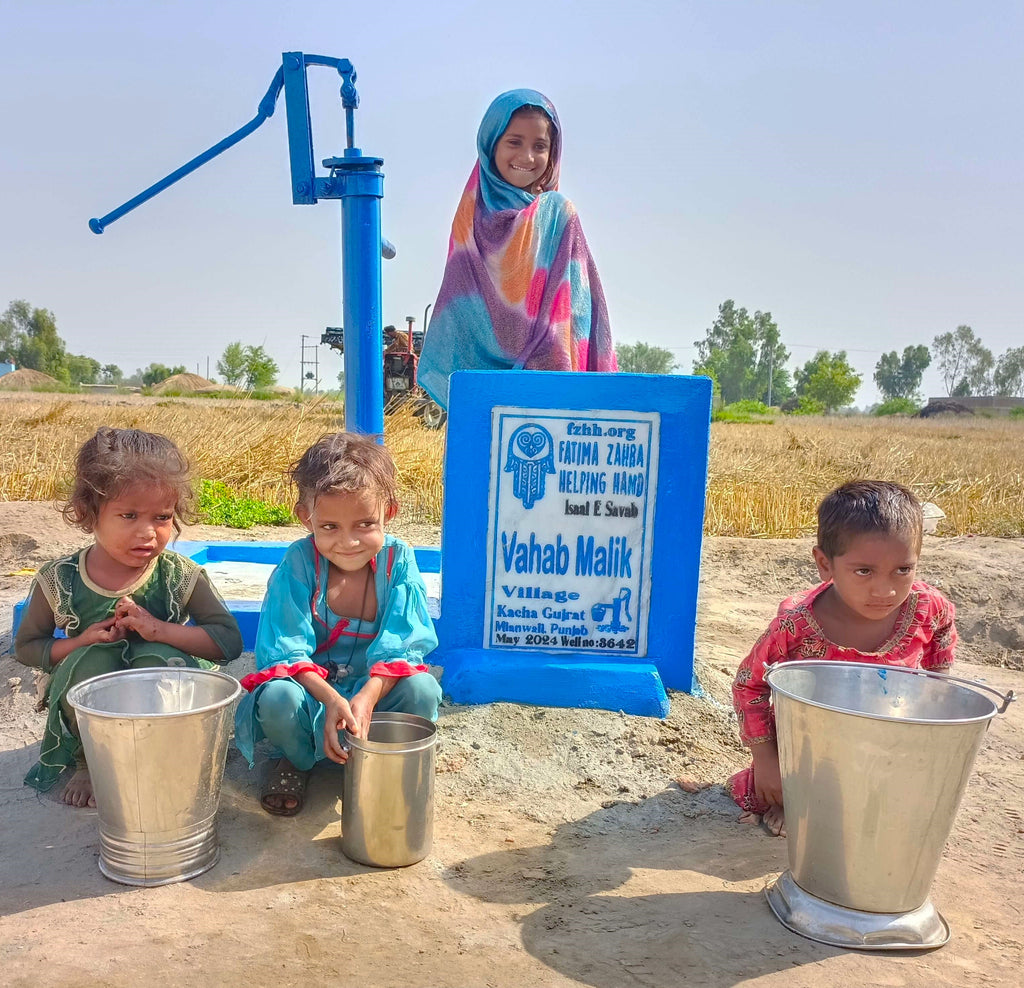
(745,357)
(742,353)
(29,338)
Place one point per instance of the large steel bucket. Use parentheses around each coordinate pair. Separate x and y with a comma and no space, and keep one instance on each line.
(155,741)
(387,808)
(874,762)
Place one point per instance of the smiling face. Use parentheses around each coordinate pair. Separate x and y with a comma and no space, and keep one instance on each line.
(873,577)
(523,152)
(133,528)
(347,528)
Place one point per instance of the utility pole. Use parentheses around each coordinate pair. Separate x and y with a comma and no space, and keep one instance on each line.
(314,362)
(771,358)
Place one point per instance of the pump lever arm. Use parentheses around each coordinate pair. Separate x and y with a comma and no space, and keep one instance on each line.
(263,113)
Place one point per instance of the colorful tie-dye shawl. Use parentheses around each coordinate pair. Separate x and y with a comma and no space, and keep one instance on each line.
(520,289)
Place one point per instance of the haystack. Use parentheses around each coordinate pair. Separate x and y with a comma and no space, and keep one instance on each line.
(182,384)
(26,379)
(942,407)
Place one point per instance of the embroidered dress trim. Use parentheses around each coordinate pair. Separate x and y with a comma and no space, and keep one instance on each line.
(908,611)
(282,671)
(398,669)
(83,572)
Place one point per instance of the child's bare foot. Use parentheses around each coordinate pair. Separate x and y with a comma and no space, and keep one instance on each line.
(775,821)
(78,791)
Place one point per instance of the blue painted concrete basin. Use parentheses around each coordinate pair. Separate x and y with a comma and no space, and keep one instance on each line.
(247,612)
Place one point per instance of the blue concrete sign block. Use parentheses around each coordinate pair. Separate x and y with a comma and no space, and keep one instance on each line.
(573,516)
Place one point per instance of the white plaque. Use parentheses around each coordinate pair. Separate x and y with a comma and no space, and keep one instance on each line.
(570,527)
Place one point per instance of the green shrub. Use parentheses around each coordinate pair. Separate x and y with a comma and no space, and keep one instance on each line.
(896,406)
(808,406)
(1017,413)
(748,411)
(219,505)
(749,407)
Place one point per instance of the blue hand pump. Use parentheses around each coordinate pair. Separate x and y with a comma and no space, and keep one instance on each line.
(355,179)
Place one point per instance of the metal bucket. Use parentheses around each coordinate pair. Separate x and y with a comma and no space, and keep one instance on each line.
(387,808)
(155,741)
(874,762)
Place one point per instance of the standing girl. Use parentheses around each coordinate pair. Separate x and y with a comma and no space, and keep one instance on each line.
(344,626)
(520,289)
(122,601)
(869,607)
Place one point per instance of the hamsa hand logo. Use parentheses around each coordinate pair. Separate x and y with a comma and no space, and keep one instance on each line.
(531,456)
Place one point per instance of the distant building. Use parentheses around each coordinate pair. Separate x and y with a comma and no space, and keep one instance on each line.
(6,368)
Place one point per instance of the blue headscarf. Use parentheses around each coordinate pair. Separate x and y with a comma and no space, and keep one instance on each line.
(496,192)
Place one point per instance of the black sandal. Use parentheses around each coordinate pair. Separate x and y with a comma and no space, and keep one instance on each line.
(283,780)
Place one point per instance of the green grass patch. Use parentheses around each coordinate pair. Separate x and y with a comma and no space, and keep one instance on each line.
(746,411)
(218,504)
(896,406)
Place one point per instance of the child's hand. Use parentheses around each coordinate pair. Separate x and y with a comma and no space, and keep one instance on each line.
(100,632)
(767,774)
(338,716)
(130,617)
(362,709)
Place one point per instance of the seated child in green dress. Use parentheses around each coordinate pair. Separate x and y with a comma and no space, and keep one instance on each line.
(344,626)
(122,601)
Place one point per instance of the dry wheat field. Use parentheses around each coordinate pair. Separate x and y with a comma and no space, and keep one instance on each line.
(764,480)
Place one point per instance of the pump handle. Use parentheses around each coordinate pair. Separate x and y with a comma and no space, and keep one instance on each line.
(264,112)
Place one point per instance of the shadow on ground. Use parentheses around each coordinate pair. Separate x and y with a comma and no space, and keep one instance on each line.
(59,845)
(50,850)
(252,840)
(629,921)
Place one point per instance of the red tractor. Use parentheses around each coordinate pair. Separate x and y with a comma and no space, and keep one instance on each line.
(401,358)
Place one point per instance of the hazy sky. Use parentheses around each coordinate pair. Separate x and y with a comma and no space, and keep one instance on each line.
(856,169)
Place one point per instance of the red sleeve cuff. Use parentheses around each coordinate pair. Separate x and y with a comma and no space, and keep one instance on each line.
(395,670)
(282,671)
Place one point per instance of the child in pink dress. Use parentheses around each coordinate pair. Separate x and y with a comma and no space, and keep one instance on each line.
(868,608)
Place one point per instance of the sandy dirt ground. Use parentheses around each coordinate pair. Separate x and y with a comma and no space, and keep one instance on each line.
(564,851)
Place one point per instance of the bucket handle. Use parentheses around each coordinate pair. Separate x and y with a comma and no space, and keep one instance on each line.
(1007,698)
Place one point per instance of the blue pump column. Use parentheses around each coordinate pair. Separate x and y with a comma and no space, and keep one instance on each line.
(359,182)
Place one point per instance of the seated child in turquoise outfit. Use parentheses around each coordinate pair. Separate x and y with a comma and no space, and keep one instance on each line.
(344,627)
(122,601)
